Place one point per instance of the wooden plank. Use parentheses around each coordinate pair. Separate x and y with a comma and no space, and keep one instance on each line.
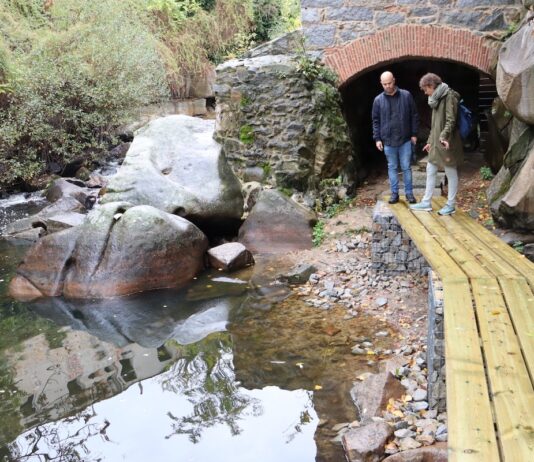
(469,410)
(500,248)
(437,258)
(463,258)
(510,385)
(480,250)
(520,301)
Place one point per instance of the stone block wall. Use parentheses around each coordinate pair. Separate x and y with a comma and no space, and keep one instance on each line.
(271,117)
(391,248)
(332,23)
(437,398)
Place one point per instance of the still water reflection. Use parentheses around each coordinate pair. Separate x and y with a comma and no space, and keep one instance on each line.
(229,369)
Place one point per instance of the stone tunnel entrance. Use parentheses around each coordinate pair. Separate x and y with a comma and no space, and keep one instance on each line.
(476,89)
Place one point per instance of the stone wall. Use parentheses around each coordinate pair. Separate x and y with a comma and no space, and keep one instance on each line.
(330,23)
(392,249)
(437,397)
(280,123)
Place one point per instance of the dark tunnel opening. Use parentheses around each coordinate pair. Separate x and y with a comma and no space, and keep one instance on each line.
(476,89)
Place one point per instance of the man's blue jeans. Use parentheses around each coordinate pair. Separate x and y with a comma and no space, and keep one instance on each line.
(399,155)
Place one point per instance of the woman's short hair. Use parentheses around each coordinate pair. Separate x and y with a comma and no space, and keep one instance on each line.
(430,80)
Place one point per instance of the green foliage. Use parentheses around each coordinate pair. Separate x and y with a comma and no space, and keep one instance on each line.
(246,134)
(318,233)
(266,167)
(486,173)
(510,30)
(245,101)
(335,209)
(174,11)
(71,87)
(519,246)
(275,17)
(288,192)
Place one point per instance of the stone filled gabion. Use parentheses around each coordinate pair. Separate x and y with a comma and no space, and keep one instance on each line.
(392,249)
(270,115)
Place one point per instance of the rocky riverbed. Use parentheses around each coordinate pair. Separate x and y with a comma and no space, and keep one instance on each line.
(346,291)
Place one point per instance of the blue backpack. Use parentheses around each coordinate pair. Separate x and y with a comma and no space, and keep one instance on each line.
(465,120)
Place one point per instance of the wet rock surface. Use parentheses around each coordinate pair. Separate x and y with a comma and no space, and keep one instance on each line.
(118,250)
(175,165)
(277,225)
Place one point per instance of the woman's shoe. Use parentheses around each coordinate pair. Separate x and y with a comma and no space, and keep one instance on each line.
(447,210)
(421,206)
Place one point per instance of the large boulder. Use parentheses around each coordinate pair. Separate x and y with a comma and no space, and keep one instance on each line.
(511,193)
(515,73)
(42,272)
(517,205)
(118,250)
(277,225)
(175,165)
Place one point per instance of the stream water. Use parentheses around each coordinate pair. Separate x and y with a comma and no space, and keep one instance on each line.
(231,368)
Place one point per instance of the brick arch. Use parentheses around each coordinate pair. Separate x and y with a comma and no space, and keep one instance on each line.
(412,41)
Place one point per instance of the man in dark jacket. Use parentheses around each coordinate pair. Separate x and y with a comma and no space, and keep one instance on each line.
(395,126)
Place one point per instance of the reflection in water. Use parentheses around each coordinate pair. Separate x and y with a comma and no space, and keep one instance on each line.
(155,375)
(197,400)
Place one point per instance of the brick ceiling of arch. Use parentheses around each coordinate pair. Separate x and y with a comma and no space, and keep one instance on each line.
(412,41)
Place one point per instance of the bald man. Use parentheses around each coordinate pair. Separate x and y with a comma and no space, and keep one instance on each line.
(395,126)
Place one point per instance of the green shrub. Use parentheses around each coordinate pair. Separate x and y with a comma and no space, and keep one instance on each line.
(519,246)
(275,17)
(72,87)
(318,233)
(486,173)
(246,134)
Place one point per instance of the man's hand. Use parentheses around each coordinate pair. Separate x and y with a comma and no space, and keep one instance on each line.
(379,146)
(414,140)
(426,147)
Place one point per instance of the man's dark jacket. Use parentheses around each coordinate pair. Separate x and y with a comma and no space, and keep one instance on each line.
(381,116)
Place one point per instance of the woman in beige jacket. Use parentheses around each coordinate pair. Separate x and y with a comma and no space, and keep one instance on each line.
(444,145)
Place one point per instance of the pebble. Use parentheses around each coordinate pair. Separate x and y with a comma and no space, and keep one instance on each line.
(358,351)
(404,433)
(419,406)
(408,443)
(381,301)
(419,395)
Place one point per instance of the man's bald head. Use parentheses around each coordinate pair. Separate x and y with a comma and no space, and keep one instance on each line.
(387,80)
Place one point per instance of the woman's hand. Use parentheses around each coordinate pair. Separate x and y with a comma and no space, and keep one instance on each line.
(426,147)
(444,143)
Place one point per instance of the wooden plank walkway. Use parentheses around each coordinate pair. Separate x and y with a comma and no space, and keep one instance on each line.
(488,295)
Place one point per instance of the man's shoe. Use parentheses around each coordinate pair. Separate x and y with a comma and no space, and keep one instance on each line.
(394,198)
(421,206)
(447,210)
(410,198)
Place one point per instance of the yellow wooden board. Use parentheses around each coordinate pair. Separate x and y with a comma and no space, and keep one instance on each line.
(469,411)
(520,302)
(500,248)
(437,258)
(480,250)
(509,381)
(454,248)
